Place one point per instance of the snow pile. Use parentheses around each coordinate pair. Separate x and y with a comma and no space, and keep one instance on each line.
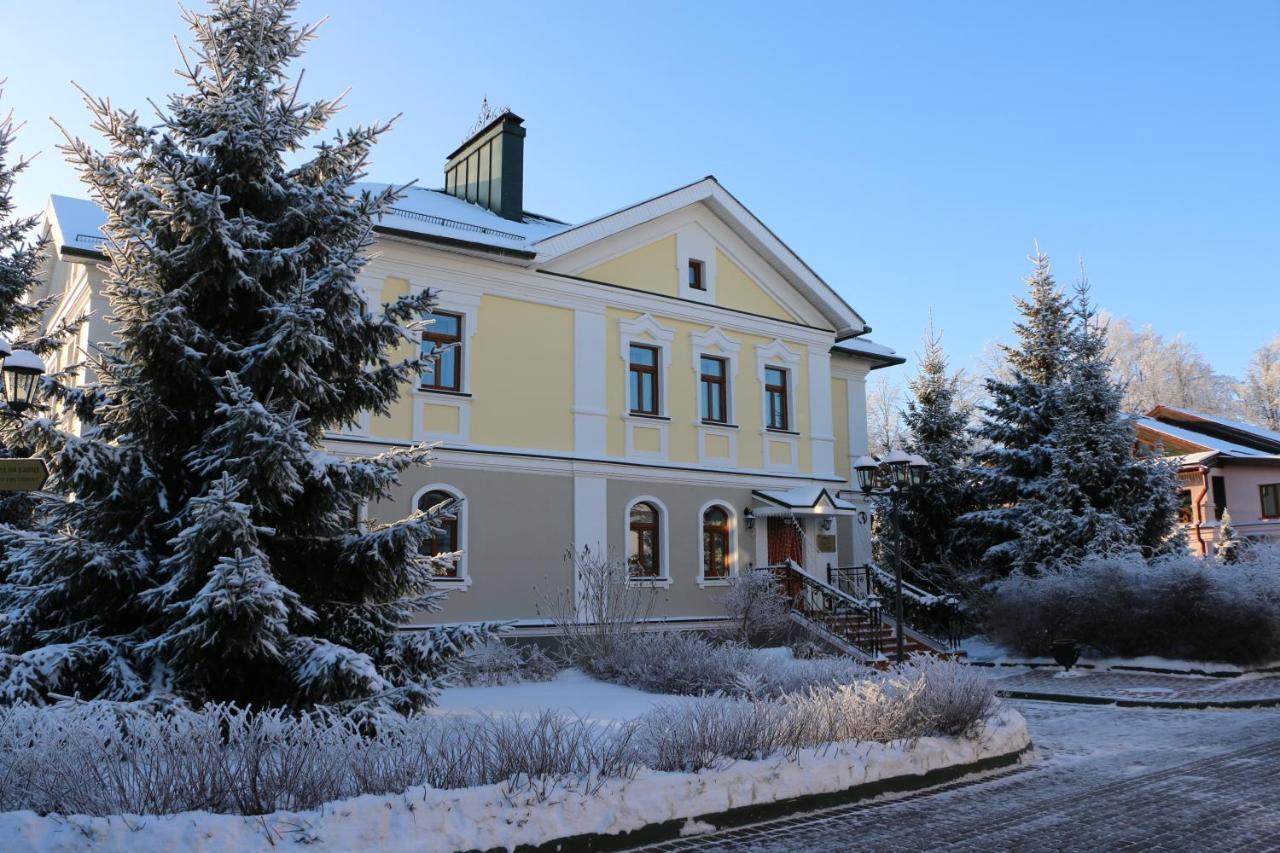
(502,816)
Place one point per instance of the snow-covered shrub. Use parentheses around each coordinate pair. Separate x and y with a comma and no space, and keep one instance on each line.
(692,665)
(100,758)
(1179,607)
(758,606)
(600,612)
(925,697)
(500,663)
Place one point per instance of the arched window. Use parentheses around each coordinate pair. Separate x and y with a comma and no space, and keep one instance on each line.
(445,540)
(715,543)
(644,554)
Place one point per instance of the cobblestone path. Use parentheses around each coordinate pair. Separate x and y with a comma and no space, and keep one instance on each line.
(1103,778)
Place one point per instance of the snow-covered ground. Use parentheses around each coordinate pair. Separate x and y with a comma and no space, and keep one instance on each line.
(981,650)
(571,691)
(427,819)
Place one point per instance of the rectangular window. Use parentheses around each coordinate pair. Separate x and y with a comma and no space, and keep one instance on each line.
(1219,496)
(714,391)
(644,379)
(442,350)
(696,275)
(1270,500)
(775,392)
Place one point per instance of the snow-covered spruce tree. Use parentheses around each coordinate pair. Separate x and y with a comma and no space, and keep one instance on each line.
(210,551)
(1101,497)
(21,259)
(1015,429)
(936,424)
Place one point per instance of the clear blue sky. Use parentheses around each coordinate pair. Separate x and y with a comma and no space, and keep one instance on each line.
(910,152)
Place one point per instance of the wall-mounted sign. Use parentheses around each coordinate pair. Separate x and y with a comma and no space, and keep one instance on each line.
(22,475)
(826,542)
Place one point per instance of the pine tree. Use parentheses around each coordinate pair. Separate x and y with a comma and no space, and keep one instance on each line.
(209,552)
(1015,430)
(936,425)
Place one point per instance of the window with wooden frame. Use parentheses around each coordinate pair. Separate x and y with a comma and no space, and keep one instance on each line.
(643,373)
(715,543)
(1186,511)
(442,352)
(644,554)
(1270,500)
(697,275)
(714,389)
(445,539)
(776,402)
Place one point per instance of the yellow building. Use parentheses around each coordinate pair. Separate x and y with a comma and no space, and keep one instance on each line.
(668,382)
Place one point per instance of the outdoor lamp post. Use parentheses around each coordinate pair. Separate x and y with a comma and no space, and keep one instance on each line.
(21,370)
(892,477)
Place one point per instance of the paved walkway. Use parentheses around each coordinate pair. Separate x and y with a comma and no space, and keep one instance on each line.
(1139,688)
(1103,778)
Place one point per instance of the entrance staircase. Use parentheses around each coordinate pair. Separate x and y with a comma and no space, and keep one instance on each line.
(860,625)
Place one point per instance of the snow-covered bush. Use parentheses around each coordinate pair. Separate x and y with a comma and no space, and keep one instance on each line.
(601,612)
(758,606)
(500,662)
(692,665)
(101,758)
(1179,607)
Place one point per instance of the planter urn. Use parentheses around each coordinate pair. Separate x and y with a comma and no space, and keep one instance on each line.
(1066,652)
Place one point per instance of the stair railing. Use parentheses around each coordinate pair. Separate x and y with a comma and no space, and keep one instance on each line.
(934,614)
(857,620)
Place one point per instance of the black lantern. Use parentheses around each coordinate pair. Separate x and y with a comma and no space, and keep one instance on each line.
(749,517)
(899,464)
(22,370)
(867,468)
(917,470)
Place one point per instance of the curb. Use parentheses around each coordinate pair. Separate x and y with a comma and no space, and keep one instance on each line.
(1169,704)
(669,830)
(1125,667)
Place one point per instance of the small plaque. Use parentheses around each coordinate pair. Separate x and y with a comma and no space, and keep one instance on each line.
(22,475)
(826,542)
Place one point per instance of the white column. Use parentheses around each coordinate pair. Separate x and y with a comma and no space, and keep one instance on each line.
(590,519)
(821,438)
(590,403)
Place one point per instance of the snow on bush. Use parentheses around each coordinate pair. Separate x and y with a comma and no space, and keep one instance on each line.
(99,758)
(1179,607)
(499,663)
(691,665)
(759,609)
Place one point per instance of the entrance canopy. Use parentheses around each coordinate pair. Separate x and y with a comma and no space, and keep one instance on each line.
(804,500)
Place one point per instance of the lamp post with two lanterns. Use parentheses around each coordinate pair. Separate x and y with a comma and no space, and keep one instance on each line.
(893,476)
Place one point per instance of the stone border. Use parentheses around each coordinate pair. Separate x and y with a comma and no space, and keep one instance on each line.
(1207,673)
(670,830)
(1169,704)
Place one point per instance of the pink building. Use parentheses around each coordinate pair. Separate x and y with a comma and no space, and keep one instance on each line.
(1224,465)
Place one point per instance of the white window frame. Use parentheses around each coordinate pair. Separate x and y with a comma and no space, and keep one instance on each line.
(714,342)
(463,580)
(466,306)
(776,354)
(703,580)
(663,580)
(646,331)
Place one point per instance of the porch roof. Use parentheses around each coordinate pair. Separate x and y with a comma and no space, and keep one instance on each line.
(814,500)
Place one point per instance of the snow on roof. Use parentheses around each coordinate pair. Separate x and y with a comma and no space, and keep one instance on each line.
(435,213)
(801,497)
(1206,441)
(867,348)
(77,223)
(1240,426)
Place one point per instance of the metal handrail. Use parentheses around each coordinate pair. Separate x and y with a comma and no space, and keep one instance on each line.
(453,223)
(831,607)
(933,616)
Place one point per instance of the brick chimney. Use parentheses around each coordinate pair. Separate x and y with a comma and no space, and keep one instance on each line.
(488,168)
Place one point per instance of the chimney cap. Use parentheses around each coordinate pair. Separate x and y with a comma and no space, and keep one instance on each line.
(503,117)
